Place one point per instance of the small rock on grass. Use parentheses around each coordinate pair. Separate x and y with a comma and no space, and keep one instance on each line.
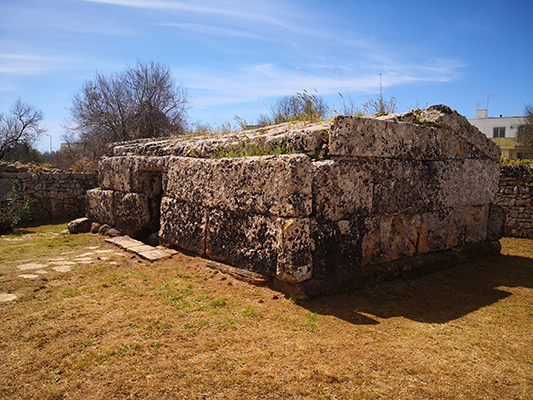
(80,225)
(95,227)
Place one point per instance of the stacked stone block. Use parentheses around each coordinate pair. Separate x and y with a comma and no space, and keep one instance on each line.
(57,194)
(515,196)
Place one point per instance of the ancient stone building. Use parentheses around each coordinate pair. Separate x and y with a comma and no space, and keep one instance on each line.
(357,200)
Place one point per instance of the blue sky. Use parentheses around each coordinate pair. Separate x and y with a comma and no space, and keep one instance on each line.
(236,57)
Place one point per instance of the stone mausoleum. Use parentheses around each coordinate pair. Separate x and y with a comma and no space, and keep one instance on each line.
(356,199)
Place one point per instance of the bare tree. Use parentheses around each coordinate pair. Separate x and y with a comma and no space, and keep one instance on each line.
(139,102)
(19,128)
(525,130)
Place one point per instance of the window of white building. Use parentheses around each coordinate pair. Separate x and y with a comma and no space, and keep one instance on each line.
(498,132)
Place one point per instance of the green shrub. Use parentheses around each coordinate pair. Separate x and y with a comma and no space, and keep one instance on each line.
(17,207)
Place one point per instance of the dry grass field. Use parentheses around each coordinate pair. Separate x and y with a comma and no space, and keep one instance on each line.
(92,322)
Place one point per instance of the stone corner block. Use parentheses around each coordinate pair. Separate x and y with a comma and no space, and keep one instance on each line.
(101,206)
(132,212)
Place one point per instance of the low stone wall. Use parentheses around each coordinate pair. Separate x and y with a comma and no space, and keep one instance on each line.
(57,194)
(515,196)
(361,194)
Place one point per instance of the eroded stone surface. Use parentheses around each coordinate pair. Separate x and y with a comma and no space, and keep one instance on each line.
(80,225)
(248,241)
(101,206)
(295,263)
(297,137)
(449,135)
(342,189)
(465,182)
(127,220)
(274,185)
(183,224)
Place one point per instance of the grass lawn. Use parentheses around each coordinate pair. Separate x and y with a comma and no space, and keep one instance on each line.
(92,322)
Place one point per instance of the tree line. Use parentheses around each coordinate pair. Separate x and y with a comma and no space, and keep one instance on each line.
(145,101)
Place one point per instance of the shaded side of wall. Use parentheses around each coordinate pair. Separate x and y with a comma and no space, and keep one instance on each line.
(515,196)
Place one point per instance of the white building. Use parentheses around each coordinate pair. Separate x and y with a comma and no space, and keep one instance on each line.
(501,130)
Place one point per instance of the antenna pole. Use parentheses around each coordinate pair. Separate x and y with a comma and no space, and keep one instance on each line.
(488,97)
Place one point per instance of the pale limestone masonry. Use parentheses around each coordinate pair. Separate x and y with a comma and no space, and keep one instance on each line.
(57,194)
(359,201)
(515,196)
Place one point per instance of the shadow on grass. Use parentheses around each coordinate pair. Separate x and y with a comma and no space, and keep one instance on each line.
(436,298)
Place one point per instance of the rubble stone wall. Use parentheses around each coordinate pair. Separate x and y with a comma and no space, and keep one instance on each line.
(57,194)
(361,192)
(515,196)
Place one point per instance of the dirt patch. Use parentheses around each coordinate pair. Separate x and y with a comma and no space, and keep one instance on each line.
(127,328)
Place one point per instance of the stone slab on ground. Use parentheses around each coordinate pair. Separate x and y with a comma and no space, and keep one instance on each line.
(31,266)
(241,274)
(144,251)
(5,297)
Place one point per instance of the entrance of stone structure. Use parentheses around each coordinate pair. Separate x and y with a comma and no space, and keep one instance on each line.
(154,194)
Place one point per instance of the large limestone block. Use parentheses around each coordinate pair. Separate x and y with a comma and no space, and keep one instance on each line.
(310,140)
(297,137)
(448,228)
(472,222)
(152,163)
(390,237)
(337,247)
(438,231)
(402,186)
(132,212)
(367,137)
(116,173)
(345,188)
(101,206)
(342,189)
(183,225)
(247,241)
(272,185)
(446,118)
(435,133)
(465,182)
(295,263)
(132,174)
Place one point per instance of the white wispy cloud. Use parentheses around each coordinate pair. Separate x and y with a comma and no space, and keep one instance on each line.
(28,64)
(215,30)
(261,81)
(258,11)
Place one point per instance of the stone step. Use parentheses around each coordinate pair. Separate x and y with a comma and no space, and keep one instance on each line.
(144,251)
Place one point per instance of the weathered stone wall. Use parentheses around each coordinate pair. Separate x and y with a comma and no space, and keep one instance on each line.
(363,192)
(515,196)
(57,194)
